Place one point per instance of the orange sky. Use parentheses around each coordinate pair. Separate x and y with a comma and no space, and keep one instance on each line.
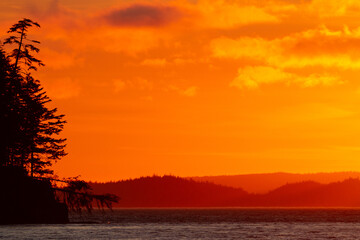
(200,87)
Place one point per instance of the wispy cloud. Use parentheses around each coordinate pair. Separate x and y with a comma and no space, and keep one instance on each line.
(334,8)
(230,14)
(188,92)
(154,62)
(119,85)
(137,84)
(316,47)
(253,77)
(143,16)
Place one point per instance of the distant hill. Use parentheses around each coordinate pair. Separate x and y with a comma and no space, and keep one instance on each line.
(169,191)
(310,194)
(263,183)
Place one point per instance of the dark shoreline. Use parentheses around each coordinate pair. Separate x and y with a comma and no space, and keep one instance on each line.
(27,200)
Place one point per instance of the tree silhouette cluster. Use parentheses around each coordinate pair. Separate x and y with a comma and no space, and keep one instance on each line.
(77,195)
(29,129)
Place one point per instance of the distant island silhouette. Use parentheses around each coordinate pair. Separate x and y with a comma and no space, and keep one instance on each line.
(171,191)
(265,182)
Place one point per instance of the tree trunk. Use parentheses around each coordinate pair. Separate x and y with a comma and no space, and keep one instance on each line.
(18,54)
(32,164)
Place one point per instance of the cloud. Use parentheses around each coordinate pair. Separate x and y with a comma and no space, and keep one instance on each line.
(62,88)
(334,8)
(154,62)
(245,47)
(143,84)
(229,14)
(119,85)
(317,79)
(252,77)
(56,10)
(83,29)
(188,92)
(316,47)
(143,16)
(59,60)
(115,40)
(137,84)
(311,112)
(54,13)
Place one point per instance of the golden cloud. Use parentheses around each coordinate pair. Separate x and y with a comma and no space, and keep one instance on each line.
(137,84)
(252,77)
(226,14)
(154,62)
(119,85)
(333,8)
(318,47)
(188,92)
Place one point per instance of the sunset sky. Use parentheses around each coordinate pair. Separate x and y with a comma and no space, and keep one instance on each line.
(200,87)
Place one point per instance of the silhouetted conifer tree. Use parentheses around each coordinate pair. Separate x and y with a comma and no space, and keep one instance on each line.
(10,107)
(29,130)
(31,125)
(24,48)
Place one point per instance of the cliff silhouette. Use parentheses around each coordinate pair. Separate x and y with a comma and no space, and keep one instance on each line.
(170,191)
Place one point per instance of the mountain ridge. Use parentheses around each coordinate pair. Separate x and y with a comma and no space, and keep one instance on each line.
(254,183)
(171,191)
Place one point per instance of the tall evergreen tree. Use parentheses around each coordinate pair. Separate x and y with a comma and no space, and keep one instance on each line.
(32,126)
(29,129)
(9,111)
(24,46)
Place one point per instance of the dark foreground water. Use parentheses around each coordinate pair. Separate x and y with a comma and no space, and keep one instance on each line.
(199,224)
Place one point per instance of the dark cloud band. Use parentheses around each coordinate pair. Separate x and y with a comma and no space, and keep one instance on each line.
(143,16)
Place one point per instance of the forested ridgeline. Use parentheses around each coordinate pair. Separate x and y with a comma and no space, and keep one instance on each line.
(254,183)
(170,191)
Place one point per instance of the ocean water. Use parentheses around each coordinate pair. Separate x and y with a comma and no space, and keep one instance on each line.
(229,223)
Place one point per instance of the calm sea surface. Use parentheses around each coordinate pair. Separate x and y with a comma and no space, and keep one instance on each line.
(199,224)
